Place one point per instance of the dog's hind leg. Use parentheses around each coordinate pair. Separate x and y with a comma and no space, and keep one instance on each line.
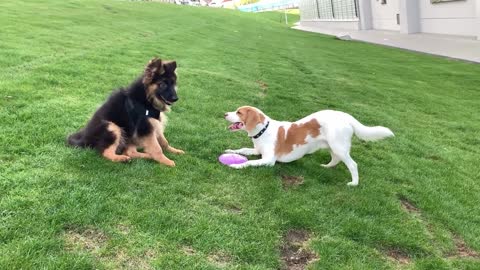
(352,167)
(342,151)
(112,139)
(334,162)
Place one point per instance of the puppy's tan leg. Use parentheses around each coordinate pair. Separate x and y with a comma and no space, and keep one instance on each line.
(132,152)
(152,147)
(165,145)
(109,152)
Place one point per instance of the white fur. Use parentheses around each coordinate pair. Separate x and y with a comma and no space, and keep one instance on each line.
(336,131)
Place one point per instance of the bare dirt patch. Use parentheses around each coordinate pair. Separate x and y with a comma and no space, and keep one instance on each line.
(462,250)
(123,229)
(188,250)
(234,209)
(263,87)
(398,256)
(290,181)
(219,259)
(141,262)
(89,239)
(408,206)
(294,251)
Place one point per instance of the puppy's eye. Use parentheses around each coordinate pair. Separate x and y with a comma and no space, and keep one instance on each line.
(239,113)
(162,85)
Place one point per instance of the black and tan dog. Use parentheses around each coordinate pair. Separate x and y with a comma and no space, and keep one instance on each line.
(134,117)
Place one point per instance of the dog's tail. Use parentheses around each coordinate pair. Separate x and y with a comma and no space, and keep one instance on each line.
(76,139)
(370,133)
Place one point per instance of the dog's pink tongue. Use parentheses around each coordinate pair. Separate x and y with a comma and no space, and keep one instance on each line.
(235,126)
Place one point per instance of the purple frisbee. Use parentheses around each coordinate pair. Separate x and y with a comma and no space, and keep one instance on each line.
(229,159)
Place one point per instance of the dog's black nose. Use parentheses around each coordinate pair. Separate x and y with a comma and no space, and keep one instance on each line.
(225,115)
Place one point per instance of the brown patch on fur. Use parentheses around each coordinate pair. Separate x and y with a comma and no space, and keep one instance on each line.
(398,256)
(156,102)
(250,117)
(296,135)
(290,181)
(89,239)
(110,152)
(294,251)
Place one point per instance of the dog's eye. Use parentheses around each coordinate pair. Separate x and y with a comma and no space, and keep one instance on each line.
(239,113)
(162,85)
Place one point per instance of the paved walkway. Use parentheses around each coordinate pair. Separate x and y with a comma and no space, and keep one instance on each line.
(449,46)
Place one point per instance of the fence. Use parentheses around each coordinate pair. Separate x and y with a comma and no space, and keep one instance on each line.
(340,10)
(269,5)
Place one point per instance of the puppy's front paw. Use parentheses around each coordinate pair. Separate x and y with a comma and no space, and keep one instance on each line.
(176,151)
(230,151)
(352,184)
(237,166)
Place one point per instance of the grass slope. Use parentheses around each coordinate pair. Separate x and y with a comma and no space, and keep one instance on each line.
(63,208)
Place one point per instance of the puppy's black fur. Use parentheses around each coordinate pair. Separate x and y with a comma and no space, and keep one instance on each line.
(129,109)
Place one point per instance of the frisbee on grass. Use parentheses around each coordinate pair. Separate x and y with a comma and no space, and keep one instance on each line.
(229,159)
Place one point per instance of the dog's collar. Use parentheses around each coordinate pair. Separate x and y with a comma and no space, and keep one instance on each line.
(261,131)
(136,110)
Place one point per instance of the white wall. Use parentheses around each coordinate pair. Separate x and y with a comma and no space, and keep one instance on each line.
(452,18)
(384,17)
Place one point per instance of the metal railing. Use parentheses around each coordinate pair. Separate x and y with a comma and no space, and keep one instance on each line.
(269,5)
(331,10)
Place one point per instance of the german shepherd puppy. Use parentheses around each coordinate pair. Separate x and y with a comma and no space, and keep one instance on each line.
(134,117)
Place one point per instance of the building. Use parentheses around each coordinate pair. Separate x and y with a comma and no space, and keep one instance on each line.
(450,17)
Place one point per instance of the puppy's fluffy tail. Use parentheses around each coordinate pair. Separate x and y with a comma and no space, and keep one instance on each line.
(370,133)
(76,139)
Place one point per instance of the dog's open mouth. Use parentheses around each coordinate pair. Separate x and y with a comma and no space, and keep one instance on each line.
(166,101)
(235,126)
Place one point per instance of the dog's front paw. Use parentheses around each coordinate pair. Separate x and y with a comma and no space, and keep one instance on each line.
(237,166)
(176,151)
(230,151)
(352,184)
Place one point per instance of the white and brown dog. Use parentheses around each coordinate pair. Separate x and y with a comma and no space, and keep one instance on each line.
(286,141)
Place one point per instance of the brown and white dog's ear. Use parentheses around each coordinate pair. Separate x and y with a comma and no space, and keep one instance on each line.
(153,66)
(250,117)
(169,66)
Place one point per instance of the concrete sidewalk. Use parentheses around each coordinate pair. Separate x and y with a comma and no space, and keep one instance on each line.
(448,46)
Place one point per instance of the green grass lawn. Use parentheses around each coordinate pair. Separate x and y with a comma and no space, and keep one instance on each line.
(417,205)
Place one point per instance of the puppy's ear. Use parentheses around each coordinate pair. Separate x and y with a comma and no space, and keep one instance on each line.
(169,66)
(153,66)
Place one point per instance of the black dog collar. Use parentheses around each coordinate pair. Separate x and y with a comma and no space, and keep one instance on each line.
(261,131)
(136,110)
